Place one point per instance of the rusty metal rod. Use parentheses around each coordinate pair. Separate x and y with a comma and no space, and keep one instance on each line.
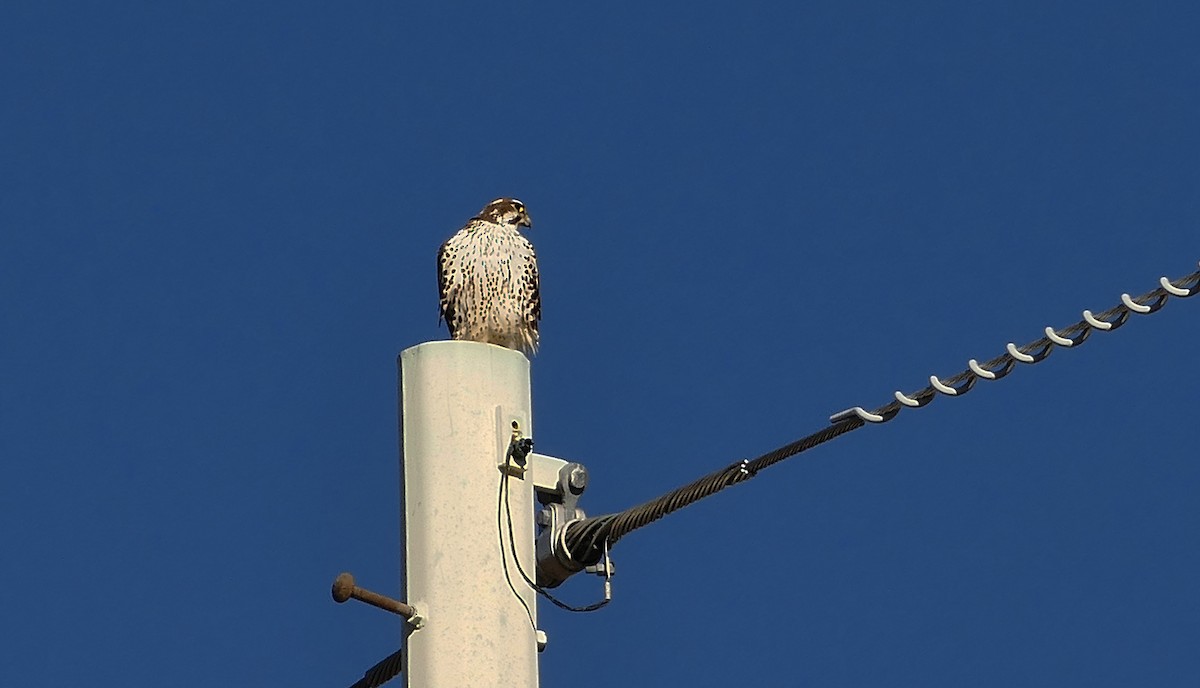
(344,588)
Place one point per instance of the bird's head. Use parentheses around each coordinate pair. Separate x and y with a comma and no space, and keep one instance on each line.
(506,211)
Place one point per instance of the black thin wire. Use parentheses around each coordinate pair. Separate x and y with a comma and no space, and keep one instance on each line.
(517,560)
(500,501)
(585,538)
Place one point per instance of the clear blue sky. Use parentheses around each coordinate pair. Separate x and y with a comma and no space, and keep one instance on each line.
(219,224)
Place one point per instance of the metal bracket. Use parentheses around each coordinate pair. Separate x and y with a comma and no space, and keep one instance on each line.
(559,485)
(556,481)
(516,455)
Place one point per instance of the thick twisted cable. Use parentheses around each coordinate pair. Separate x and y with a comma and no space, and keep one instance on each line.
(585,539)
(381,673)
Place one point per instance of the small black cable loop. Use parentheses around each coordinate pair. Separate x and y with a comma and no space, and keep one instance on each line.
(888,411)
(1157,303)
(1040,350)
(1002,370)
(1077,333)
(1121,313)
(965,387)
(923,397)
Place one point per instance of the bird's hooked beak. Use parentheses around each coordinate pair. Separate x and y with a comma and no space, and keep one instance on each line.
(524,220)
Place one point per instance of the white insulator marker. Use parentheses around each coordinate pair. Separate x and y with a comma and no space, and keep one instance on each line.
(1098,324)
(1172,289)
(941,387)
(907,401)
(1054,337)
(978,370)
(1135,307)
(859,411)
(1012,351)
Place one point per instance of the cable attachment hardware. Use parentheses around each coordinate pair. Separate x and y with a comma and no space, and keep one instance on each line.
(519,448)
(558,485)
(1018,355)
(604,568)
(860,412)
(979,371)
(941,386)
(1172,289)
(1095,322)
(745,472)
(1057,338)
(1135,307)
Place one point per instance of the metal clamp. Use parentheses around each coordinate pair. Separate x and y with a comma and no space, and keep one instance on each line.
(519,449)
(559,485)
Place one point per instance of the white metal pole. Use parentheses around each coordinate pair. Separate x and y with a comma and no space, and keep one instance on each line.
(458,401)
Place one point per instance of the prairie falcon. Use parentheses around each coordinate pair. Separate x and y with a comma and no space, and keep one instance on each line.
(488,279)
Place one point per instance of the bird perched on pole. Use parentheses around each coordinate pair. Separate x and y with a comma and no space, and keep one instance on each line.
(488,279)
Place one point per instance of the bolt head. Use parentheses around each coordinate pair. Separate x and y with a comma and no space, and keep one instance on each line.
(577,478)
(343,587)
